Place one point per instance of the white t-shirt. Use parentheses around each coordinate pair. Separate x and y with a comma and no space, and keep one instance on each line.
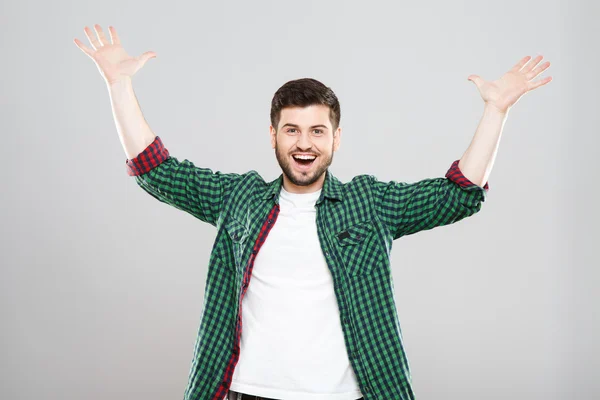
(292,345)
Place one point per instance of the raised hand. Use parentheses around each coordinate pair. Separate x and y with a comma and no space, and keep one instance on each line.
(111,59)
(506,91)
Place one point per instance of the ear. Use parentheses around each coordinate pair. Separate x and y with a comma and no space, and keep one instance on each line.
(337,137)
(273,135)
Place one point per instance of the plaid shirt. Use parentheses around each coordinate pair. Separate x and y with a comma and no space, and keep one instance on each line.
(356,224)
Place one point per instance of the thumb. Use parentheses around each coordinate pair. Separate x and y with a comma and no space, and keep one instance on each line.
(146,56)
(476,79)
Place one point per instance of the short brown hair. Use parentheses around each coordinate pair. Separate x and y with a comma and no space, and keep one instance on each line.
(305,92)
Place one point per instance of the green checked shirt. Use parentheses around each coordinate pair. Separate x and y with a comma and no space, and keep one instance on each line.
(356,221)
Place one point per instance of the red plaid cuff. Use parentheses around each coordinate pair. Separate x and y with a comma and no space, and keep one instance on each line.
(152,156)
(456,175)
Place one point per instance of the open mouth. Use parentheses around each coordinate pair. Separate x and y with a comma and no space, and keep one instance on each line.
(304,161)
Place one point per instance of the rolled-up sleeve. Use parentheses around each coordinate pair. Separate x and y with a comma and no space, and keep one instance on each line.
(195,190)
(408,208)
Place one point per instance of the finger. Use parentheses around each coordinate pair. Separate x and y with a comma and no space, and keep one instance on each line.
(476,79)
(101,35)
(538,70)
(84,48)
(539,83)
(147,55)
(95,43)
(532,64)
(520,64)
(113,35)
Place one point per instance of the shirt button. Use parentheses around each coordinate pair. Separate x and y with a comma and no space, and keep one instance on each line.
(346,320)
(270,221)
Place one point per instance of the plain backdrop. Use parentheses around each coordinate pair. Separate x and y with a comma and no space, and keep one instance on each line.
(102,286)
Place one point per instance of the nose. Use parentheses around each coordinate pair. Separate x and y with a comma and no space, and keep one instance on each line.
(304,141)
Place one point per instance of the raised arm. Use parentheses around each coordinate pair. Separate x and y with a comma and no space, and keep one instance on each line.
(117,68)
(499,97)
(408,208)
(198,191)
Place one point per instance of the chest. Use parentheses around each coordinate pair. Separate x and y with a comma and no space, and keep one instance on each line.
(350,242)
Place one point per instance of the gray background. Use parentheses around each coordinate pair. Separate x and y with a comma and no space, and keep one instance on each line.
(101,285)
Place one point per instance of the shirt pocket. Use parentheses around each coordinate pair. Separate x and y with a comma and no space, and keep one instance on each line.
(357,247)
(238,233)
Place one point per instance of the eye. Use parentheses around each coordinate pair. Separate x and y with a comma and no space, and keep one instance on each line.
(318,131)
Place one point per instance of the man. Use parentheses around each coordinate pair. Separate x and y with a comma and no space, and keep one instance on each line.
(319,318)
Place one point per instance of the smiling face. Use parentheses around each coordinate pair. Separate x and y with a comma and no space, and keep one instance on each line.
(304,144)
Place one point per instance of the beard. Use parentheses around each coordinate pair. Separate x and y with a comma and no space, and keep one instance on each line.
(303,178)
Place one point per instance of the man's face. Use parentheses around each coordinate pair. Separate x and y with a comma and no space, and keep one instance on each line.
(305,132)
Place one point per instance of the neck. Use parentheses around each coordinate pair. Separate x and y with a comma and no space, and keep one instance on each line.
(313,187)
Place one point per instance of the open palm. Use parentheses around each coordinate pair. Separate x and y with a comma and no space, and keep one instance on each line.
(112,60)
(506,91)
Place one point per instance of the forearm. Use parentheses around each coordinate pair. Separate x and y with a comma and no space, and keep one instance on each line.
(477,161)
(134,132)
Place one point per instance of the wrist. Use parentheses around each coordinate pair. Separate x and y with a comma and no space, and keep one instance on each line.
(119,83)
(492,108)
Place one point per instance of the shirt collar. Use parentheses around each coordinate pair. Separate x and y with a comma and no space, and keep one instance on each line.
(332,188)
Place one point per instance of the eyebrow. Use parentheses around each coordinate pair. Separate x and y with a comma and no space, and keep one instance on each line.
(296,126)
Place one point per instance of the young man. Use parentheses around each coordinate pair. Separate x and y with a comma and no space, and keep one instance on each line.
(319,319)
